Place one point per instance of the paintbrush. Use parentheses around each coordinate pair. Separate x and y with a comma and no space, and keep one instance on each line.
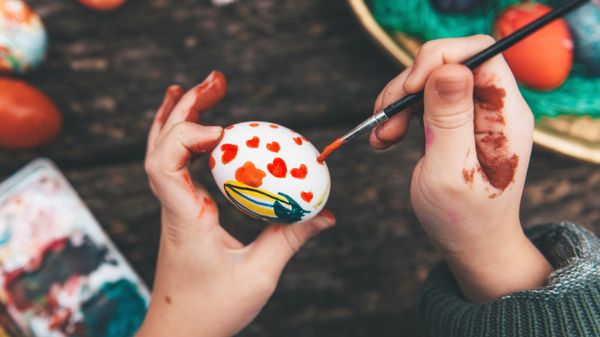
(473,62)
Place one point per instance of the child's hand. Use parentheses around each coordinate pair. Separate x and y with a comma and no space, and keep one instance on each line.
(207,282)
(467,188)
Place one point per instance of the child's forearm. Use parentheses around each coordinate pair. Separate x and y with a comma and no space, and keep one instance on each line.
(505,264)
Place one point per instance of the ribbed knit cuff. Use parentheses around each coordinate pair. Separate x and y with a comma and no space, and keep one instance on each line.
(568,306)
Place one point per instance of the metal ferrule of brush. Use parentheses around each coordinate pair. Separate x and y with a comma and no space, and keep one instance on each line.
(365,126)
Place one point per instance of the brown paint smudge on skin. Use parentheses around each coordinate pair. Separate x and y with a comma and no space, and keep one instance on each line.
(250,175)
(306,196)
(278,168)
(273,147)
(253,142)
(300,172)
(298,140)
(168,300)
(498,165)
(489,98)
(210,92)
(229,153)
(468,176)
(329,149)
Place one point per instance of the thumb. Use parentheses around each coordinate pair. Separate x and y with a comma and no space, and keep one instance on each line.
(276,245)
(448,119)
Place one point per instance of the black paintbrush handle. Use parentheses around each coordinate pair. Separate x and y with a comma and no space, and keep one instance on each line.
(492,51)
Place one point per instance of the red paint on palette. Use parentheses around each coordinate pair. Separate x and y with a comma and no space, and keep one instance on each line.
(300,172)
(253,125)
(273,147)
(211,162)
(306,196)
(229,153)
(250,175)
(278,168)
(298,140)
(253,142)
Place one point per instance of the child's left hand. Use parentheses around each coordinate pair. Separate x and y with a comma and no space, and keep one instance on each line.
(207,282)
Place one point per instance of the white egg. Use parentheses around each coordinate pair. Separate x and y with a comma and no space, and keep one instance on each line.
(270,172)
(23,40)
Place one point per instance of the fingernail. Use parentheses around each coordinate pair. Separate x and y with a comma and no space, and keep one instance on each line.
(451,88)
(327,214)
(214,130)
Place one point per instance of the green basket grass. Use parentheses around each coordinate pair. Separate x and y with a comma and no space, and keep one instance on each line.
(579,95)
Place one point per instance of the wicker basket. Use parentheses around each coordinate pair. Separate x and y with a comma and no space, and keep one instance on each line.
(577,137)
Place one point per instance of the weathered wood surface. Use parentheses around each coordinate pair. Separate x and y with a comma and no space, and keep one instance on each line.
(304,64)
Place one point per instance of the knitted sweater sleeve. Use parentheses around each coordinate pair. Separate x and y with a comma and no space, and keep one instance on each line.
(569,305)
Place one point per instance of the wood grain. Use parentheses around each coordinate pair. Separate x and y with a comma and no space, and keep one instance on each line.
(304,64)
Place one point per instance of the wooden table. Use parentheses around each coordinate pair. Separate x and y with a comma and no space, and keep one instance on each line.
(304,64)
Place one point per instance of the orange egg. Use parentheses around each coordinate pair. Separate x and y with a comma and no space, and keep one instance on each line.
(543,60)
(102,5)
(28,118)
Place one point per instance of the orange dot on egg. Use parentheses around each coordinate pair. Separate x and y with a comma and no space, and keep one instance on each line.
(298,140)
(102,5)
(278,168)
(273,126)
(253,125)
(211,162)
(306,196)
(253,142)
(273,147)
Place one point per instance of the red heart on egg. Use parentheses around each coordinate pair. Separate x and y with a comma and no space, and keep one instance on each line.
(253,142)
(300,172)
(278,168)
(229,153)
(273,147)
(306,196)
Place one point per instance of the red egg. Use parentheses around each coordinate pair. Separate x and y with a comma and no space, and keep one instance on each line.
(102,5)
(28,118)
(543,60)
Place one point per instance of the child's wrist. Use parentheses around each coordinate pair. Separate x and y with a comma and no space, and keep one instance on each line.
(498,266)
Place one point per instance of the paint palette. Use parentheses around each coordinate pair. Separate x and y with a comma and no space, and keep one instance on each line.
(60,275)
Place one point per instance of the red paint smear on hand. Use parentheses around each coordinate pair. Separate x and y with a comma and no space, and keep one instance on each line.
(250,175)
(188,182)
(468,176)
(278,168)
(429,136)
(253,142)
(306,196)
(489,98)
(300,172)
(229,153)
(273,147)
(211,162)
(210,92)
(329,149)
(496,162)
(298,140)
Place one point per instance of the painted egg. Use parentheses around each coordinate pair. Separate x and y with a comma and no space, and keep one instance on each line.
(270,172)
(28,118)
(455,6)
(102,5)
(543,60)
(585,26)
(23,40)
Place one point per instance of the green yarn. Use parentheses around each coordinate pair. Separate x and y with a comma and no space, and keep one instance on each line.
(579,95)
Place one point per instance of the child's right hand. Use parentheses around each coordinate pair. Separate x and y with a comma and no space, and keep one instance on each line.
(467,188)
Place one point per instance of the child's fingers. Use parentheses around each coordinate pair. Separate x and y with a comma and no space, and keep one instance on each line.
(278,243)
(395,128)
(199,99)
(448,120)
(444,51)
(172,97)
(166,167)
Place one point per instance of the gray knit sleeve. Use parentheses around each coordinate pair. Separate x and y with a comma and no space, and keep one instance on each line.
(568,306)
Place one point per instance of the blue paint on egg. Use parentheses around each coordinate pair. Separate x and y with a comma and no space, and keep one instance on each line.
(23,39)
(585,26)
